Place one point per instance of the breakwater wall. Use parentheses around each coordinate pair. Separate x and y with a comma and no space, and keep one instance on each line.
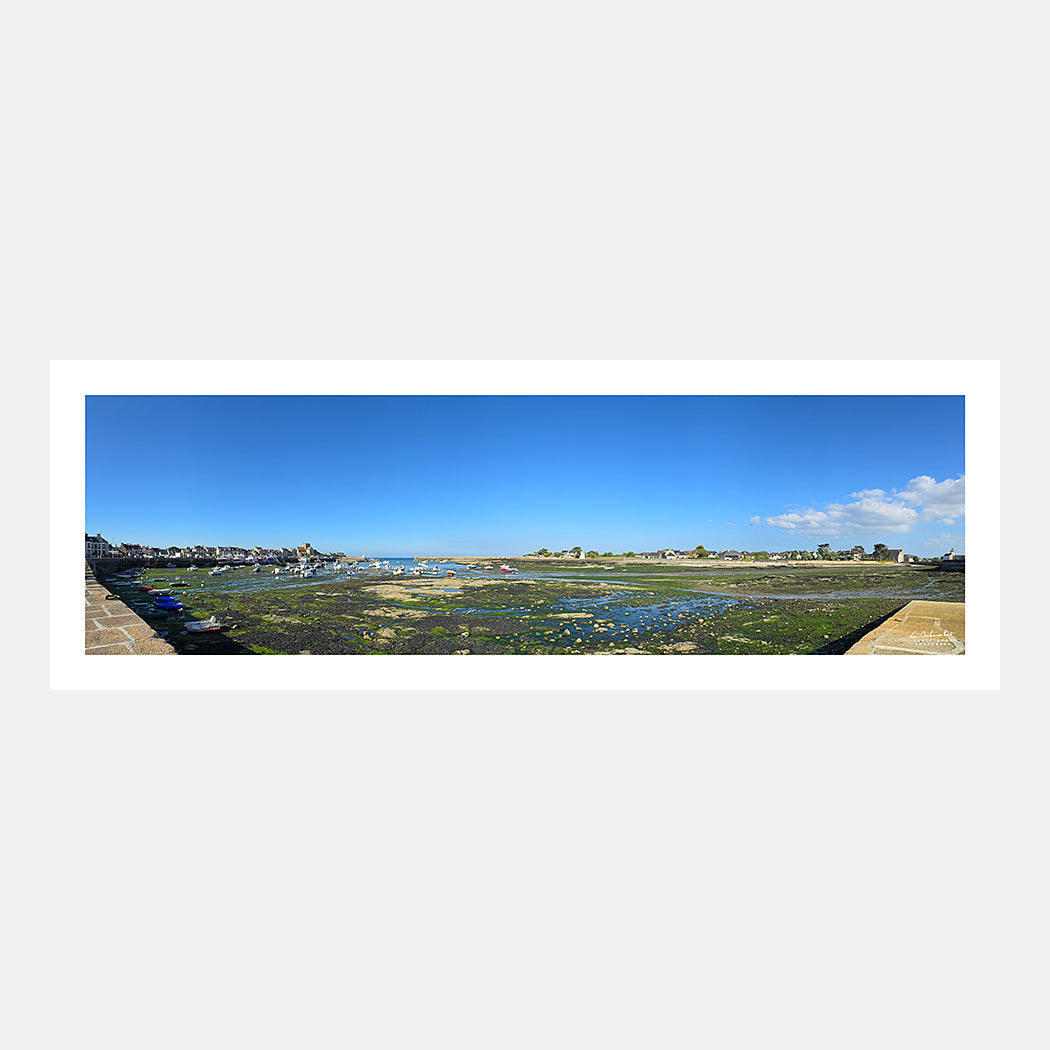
(111,628)
(104,566)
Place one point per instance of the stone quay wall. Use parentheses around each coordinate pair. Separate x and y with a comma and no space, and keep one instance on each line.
(111,628)
(104,566)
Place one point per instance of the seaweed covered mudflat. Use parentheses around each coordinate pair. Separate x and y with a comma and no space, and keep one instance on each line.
(552,610)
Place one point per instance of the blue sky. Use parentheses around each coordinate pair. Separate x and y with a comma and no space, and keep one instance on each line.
(447,474)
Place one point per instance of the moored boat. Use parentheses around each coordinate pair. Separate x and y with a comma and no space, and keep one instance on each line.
(199,626)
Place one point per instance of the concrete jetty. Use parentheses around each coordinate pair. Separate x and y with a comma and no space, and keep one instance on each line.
(111,628)
(919,629)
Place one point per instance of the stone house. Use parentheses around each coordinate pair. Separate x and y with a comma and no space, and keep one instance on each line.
(96,547)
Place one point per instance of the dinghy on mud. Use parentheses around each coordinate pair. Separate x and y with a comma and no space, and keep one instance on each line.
(200,626)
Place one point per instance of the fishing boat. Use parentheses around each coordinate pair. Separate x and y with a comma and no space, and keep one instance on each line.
(506,568)
(199,626)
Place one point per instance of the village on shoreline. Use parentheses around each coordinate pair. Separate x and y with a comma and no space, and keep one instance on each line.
(97,548)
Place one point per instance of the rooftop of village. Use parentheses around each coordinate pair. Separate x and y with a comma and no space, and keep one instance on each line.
(97,547)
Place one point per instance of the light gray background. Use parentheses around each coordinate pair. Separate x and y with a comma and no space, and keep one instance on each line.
(738,870)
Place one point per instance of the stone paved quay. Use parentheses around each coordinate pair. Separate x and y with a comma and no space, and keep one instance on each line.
(919,629)
(112,629)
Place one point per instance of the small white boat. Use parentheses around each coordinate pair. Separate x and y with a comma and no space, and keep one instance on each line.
(198,626)
(449,572)
(257,569)
(506,568)
(192,568)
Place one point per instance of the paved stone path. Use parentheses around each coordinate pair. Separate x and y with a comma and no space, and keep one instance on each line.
(112,629)
(919,629)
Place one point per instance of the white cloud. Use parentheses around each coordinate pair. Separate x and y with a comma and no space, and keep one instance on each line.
(872,510)
(942,501)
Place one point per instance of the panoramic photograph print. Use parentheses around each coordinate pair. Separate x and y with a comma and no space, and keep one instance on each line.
(462,525)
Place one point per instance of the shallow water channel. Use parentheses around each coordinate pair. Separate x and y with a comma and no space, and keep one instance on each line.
(615,616)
